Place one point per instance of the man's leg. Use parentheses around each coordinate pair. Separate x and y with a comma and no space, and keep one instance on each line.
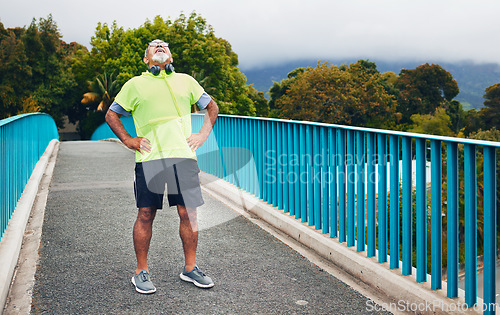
(188,231)
(143,230)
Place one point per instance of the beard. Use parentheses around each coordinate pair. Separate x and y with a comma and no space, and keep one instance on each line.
(160,57)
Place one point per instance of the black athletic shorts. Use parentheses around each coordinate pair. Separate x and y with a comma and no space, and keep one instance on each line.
(180,177)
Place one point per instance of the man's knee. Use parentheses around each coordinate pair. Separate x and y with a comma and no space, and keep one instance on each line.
(186,213)
(146,214)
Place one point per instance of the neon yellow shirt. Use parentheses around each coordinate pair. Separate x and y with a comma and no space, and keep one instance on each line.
(161,108)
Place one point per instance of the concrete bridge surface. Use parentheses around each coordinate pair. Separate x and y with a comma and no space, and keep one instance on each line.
(86,257)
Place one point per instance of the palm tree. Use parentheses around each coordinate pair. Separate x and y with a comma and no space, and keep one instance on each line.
(103,90)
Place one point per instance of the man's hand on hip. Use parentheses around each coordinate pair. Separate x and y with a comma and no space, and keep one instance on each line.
(196,140)
(138,144)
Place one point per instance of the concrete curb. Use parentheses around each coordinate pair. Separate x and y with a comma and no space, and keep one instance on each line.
(10,246)
(403,294)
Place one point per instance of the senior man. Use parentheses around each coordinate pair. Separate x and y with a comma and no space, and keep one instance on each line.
(160,101)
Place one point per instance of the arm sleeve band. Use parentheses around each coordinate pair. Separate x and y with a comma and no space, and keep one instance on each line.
(203,101)
(119,110)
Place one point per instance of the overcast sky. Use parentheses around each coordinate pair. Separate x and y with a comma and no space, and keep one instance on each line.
(265,32)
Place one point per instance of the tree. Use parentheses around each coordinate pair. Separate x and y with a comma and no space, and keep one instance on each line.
(259,100)
(104,90)
(424,89)
(194,47)
(472,122)
(279,89)
(13,71)
(457,116)
(34,71)
(437,123)
(351,95)
(490,114)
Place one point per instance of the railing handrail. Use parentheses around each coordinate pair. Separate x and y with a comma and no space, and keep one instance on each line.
(8,120)
(495,144)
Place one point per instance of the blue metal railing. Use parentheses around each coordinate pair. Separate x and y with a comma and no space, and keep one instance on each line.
(23,139)
(315,172)
(104,132)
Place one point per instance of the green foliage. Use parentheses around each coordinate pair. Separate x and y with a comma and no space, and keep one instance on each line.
(34,72)
(490,114)
(195,50)
(13,70)
(424,89)
(457,116)
(104,89)
(279,89)
(472,122)
(352,95)
(438,123)
(260,102)
(39,72)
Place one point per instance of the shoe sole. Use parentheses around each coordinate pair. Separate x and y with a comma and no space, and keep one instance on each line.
(142,291)
(196,283)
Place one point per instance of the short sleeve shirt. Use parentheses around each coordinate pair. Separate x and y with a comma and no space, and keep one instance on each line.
(161,108)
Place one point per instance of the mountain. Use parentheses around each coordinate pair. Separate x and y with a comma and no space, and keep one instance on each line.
(472,78)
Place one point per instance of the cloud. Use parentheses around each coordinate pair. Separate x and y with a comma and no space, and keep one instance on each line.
(264,32)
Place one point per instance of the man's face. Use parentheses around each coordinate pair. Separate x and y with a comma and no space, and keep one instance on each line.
(158,53)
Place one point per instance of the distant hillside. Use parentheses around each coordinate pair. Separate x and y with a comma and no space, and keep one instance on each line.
(472,78)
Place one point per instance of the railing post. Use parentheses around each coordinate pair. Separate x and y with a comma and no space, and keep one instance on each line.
(274,182)
(251,144)
(223,146)
(310,175)
(490,231)
(285,166)
(267,140)
(333,182)
(371,197)
(360,195)
(421,211)
(303,177)
(297,169)
(246,156)
(342,181)
(350,178)
(316,171)
(279,168)
(394,197)
(290,178)
(470,224)
(382,198)
(436,216)
(325,179)
(260,158)
(232,158)
(407,187)
(452,218)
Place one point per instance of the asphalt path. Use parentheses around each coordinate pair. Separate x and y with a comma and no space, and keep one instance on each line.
(87,257)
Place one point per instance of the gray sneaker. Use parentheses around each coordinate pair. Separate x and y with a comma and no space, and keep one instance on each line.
(142,283)
(197,277)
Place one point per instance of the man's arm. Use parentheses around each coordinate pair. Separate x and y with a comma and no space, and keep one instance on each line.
(197,139)
(134,143)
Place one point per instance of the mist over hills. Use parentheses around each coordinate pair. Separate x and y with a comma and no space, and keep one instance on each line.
(472,78)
